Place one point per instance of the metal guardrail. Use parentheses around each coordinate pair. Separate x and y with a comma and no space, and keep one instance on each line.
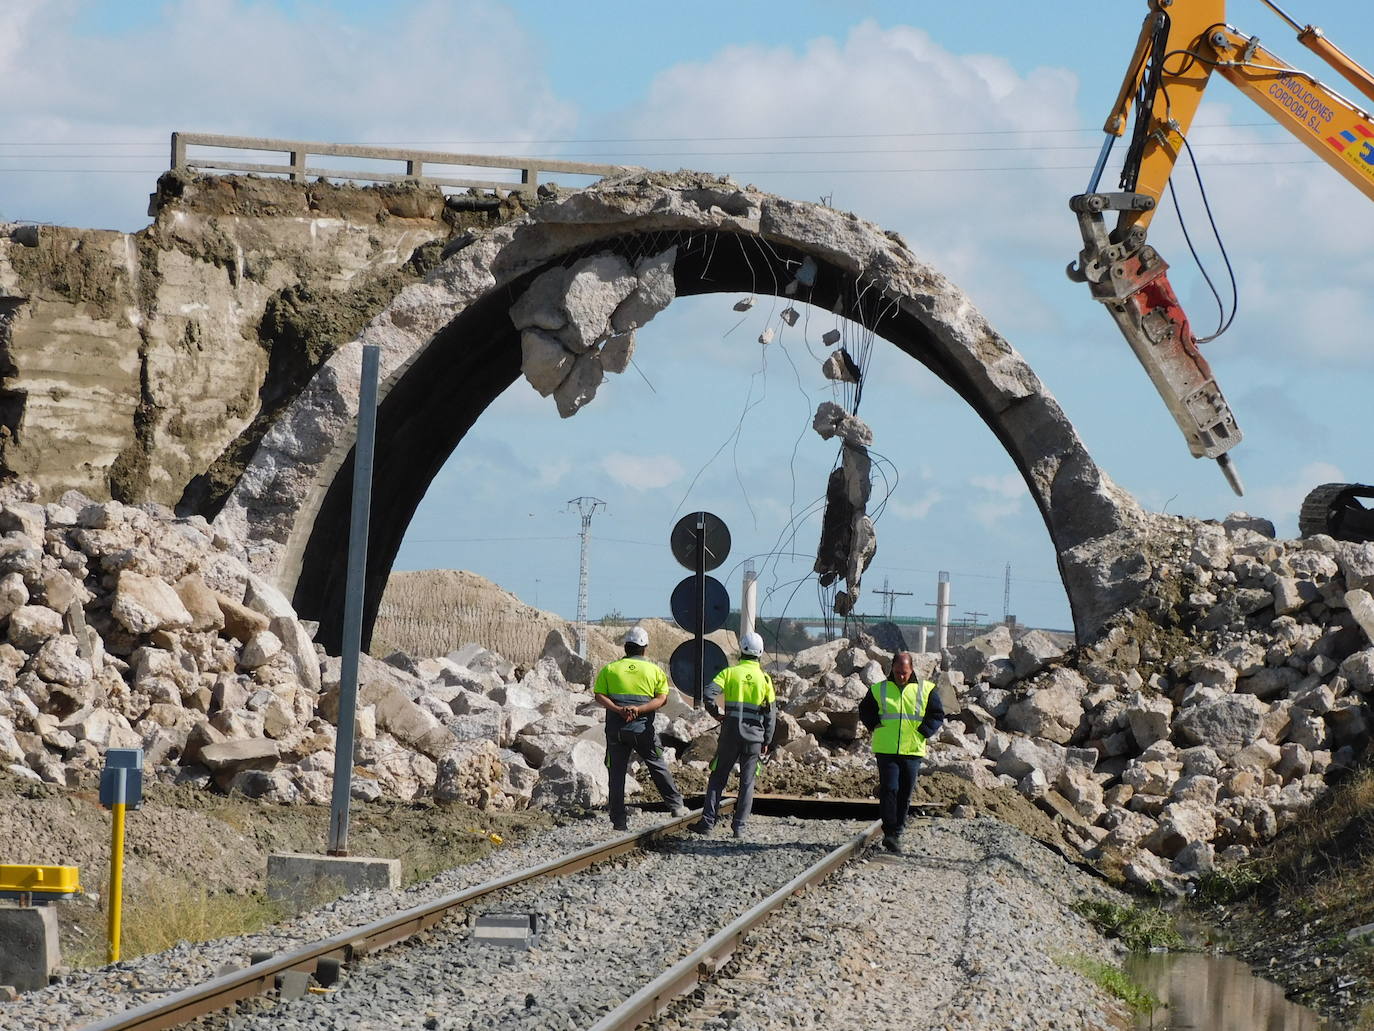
(299,168)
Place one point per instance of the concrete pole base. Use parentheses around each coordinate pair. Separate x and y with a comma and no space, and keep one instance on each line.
(29,950)
(301,881)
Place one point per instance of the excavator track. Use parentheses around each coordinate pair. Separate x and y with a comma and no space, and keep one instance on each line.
(1335,509)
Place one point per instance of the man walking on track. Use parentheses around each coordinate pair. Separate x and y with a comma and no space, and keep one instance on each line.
(902,714)
(741,698)
(630,690)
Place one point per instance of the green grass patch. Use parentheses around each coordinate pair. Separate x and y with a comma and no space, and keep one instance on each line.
(1112,980)
(159,914)
(1139,928)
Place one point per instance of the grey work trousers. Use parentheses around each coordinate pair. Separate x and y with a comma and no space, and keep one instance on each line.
(620,746)
(732,752)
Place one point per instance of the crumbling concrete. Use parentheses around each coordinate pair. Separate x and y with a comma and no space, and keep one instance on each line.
(284,502)
(146,366)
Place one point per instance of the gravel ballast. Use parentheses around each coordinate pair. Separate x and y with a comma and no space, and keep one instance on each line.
(964,931)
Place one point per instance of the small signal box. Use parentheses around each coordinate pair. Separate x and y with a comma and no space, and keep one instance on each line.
(121,781)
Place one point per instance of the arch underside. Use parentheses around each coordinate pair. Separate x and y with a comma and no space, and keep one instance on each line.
(433,403)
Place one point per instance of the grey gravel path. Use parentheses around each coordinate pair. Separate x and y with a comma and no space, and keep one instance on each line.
(88,995)
(609,929)
(964,931)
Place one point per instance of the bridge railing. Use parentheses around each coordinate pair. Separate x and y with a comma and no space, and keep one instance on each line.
(299,152)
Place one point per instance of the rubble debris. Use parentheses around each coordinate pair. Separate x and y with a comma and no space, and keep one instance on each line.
(578,322)
(833,421)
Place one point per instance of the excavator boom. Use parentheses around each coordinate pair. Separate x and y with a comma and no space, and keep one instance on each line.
(1181,44)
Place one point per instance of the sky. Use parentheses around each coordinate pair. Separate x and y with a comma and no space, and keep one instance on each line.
(965,127)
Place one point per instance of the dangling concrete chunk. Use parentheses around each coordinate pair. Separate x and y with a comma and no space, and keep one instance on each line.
(580,386)
(578,322)
(830,337)
(654,291)
(836,368)
(545,362)
(833,421)
(858,469)
(617,352)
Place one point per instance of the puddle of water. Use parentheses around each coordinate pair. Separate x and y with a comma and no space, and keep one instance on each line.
(1206,992)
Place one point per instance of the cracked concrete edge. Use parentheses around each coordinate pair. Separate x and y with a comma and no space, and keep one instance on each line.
(284,483)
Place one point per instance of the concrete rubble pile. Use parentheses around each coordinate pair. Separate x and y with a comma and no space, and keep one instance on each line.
(1200,723)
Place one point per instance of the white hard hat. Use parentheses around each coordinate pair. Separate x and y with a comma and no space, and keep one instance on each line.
(751,644)
(637,635)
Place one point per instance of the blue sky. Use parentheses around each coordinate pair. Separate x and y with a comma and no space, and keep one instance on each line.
(963,126)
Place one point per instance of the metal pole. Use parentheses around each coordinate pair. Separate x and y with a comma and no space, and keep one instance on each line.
(353,601)
(700,674)
(116,875)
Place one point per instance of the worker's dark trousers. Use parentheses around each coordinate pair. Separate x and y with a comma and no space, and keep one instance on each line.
(896,778)
(729,753)
(620,744)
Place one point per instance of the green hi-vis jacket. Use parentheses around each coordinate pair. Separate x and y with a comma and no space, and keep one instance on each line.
(632,680)
(744,694)
(900,714)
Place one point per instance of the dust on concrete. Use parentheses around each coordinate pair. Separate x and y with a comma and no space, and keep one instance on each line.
(186,835)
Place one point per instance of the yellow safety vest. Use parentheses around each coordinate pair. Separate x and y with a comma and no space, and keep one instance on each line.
(632,680)
(900,712)
(747,692)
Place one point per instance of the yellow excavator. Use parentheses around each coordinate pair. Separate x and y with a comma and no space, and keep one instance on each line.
(1182,43)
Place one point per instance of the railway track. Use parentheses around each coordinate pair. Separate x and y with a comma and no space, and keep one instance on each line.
(620,916)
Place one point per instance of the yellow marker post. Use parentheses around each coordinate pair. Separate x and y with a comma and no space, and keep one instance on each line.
(121,786)
(116,877)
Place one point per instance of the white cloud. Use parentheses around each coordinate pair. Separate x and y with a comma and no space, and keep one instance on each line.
(1009,485)
(1282,501)
(642,472)
(1000,498)
(918,509)
(239,67)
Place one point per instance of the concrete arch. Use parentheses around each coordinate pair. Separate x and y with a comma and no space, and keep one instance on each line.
(449,349)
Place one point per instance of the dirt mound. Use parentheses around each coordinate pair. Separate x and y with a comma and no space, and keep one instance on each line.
(430,612)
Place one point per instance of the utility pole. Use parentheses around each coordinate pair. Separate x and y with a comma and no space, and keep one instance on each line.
(975,620)
(941,611)
(888,595)
(1006,595)
(586,508)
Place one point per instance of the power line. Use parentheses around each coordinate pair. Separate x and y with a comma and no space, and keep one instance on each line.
(658,139)
(746,171)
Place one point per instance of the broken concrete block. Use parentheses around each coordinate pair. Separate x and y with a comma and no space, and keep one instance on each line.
(654,291)
(790,315)
(580,386)
(596,288)
(830,337)
(541,306)
(766,337)
(544,361)
(143,604)
(836,368)
(617,351)
(833,421)
(858,474)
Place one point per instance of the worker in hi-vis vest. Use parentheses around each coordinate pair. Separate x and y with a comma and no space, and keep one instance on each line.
(631,690)
(741,698)
(902,714)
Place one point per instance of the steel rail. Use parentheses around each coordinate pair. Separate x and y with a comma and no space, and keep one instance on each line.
(685,975)
(347,946)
